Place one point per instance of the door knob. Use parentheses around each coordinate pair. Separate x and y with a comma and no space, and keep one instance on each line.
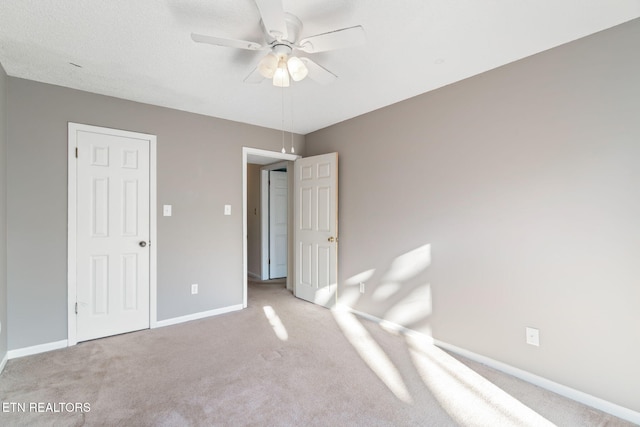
(143,244)
(331,239)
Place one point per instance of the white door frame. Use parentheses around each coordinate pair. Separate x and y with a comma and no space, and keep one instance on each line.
(266,157)
(72,172)
(264,216)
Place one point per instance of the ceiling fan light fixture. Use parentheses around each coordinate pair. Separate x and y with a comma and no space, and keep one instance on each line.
(297,69)
(268,65)
(281,75)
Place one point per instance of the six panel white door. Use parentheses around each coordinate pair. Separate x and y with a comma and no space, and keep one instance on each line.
(112,234)
(316,228)
(278,241)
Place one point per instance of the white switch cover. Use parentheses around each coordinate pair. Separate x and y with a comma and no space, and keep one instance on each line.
(227,209)
(166,210)
(194,289)
(533,336)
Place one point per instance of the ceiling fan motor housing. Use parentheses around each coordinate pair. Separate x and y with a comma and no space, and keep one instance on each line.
(294,28)
(281,49)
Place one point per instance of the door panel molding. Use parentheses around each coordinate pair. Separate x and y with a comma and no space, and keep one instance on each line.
(72,219)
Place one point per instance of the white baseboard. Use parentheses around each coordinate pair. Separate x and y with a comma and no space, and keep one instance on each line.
(196,316)
(41,348)
(254,275)
(562,390)
(3,363)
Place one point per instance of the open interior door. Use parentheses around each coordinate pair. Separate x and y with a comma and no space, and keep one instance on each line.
(316,228)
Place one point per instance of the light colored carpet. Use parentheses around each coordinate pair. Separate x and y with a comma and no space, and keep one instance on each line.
(280,362)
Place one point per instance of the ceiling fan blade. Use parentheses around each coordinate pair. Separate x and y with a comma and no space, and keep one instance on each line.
(272,13)
(218,41)
(254,77)
(338,39)
(318,73)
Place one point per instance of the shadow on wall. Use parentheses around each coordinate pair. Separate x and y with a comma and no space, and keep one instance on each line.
(406,298)
(401,295)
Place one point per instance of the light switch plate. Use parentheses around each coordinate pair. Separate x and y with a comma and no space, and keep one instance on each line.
(166,210)
(227,209)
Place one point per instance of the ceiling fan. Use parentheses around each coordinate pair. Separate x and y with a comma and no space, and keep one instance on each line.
(282,39)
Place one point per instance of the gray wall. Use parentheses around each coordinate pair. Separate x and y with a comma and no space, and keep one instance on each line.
(524,182)
(3,214)
(254,261)
(199,171)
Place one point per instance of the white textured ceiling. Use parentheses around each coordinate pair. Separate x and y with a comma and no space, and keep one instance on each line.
(141,50)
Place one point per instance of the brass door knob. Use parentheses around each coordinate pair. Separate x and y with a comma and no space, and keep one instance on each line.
(331,239)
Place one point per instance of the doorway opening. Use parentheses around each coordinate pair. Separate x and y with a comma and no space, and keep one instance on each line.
(253,160)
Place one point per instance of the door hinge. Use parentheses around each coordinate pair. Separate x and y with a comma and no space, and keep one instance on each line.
(76,308)
(76,152)
(269,260)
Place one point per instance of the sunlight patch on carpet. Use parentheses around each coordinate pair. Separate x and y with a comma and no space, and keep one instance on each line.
(372,354)
(276,323)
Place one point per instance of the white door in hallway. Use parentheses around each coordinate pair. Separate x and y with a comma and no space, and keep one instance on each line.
(278,240)
(316,228)
(112,243)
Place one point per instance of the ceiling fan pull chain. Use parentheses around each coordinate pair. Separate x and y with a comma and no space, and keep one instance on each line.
(282,98)
(293,150)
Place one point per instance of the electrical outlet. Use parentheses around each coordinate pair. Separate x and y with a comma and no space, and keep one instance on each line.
(362,287)
(194,289)
(533,336)
(227,209)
